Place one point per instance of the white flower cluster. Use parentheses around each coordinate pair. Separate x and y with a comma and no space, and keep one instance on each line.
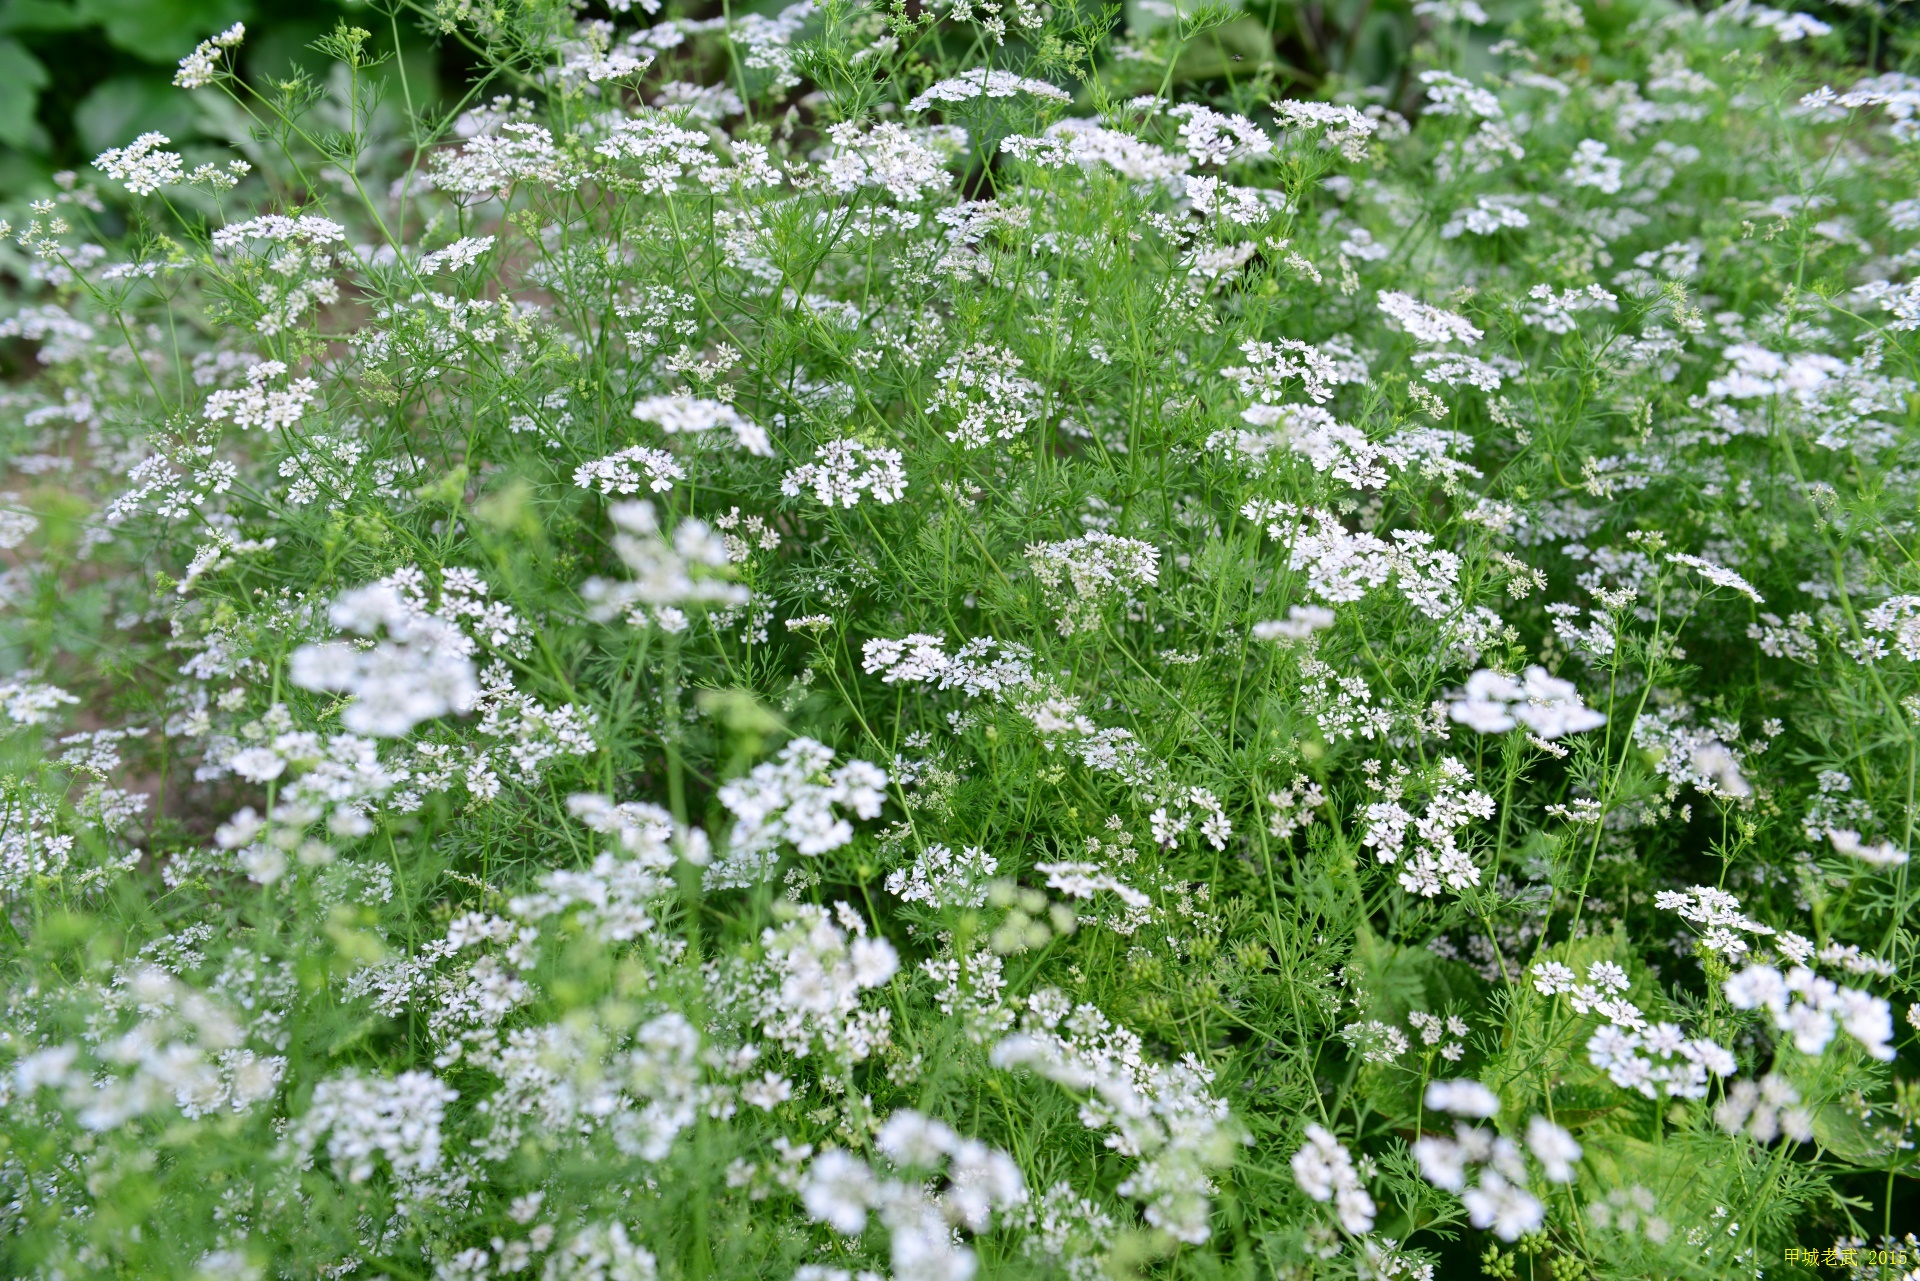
(1500,1200)
(1217,138)
(980,386)
(1494,703)
(1086,880)
(886,156)
(1426,325)
(1765,1110)
(1555,313)
(28,702)
(458,256)
(600,1252)
(665,575)
(1345,129)
(1694,757)
(805,989)
(1898,617)
(423,667)
(363,1118)
(621,473)
(1342,566)
(259,406)
(1342,451)
(620,891)
(694,416)
(978,83)
(1718,575)
(1759,372)
(1633,1053)
(1436,860)
(1272,366)
(1593,167)
(1302,624)
(659,150)
(1079,574)
(1806,1006)
(201,67)
(939,877)
(794,799)
(921,659)
(1449,95)
(1088,143)
(1166,1115)
(567,1080)
(845,470)
(140,165)
(1656,1058)
(840,1190)
(185,1049)
(490,164)
(1717,913)
(310,230)
(1324,1170)
(1883,855)
(1487,216)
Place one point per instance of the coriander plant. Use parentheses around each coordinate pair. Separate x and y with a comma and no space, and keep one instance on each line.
(882,640)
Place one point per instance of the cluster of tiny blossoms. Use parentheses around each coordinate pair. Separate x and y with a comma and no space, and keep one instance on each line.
(856,641)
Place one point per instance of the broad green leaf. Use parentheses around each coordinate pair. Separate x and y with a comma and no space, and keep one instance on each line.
(127,106)
(39,15)
(161,30)
(21,80)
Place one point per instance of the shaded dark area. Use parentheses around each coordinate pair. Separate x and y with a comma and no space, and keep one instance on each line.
(78,76)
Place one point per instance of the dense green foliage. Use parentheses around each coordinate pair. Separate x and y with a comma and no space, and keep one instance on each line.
(950,640)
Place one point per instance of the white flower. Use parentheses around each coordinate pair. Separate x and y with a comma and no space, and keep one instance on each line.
(1593,167)
(911,1139)
(361,1118)
(1553,1148)
(794,799)
(976,83)
(1462,1098)
(457,256)
(1346,128)
(202,66)
(1077,575)
(422,669)
(1719,575)
(263,864)
(1885,854)
(599,1252)
(1449,95)
(1493,703)
(621,473)
(1804,1005)
(837,1190)
(664,575)
(874,961)
(1509,1212)
(1324,1170)
(1301,623)
(1429,326)
(1443,1161)
(140,166)
(939,877)
(767,1093)
(847,469)
(691,415)
(259,406)
(27,702)
(257,764)
(886,156)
